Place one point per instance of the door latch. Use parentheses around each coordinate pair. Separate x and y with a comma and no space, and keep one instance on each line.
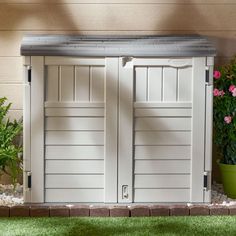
(125,192)
(127,62)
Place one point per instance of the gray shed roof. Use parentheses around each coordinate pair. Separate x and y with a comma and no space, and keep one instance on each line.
(137,46)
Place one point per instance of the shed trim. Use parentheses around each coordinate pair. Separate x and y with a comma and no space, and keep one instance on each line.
(104,46)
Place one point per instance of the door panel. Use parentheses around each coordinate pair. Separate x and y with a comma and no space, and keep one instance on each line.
(164,133)
(74,130)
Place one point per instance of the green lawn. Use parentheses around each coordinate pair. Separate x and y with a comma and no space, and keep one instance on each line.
(213,225)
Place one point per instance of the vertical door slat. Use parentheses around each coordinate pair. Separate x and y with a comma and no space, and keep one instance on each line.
(185,84)
(52,84)
(154,84)
(169,84)
(67,83)
(82,83)
(141,84)
(97,83)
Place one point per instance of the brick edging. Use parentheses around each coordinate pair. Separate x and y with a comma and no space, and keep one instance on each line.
(114,211)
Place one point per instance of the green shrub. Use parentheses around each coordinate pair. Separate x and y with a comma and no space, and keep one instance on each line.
(10,152)
(224,114)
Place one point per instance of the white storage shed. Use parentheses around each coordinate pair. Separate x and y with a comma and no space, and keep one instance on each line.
(117,119)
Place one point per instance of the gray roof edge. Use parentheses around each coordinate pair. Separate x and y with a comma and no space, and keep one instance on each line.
(100,46)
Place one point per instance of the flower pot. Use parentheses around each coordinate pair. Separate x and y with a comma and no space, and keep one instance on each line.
(228,174)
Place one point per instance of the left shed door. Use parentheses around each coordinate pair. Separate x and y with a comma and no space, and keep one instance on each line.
(73,107)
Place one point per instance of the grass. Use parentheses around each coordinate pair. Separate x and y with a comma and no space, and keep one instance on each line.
(214,225)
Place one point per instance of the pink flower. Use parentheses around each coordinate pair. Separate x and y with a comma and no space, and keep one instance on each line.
(234,92)
(216,92)
(221,93)
(228,119)
(217,74)
(231,88)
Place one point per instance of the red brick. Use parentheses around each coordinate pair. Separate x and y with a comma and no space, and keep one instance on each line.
(199,210)
(4,211)
(61,211)
(119,211)
(219,210)
(96,211)
(159,210)
(179,210)
(39,211)
(232,210)
(21,211)
(137,211)
(79,210)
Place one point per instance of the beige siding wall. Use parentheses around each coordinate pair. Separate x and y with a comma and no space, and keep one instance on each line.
(213,18)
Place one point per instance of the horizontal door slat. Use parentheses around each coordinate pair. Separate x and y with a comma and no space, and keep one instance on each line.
(74,123)
(162,138)
(67,112)
(163,105)
(74,138)
(162,124)
(74,167)
(74,195)
(162,181)
(162,167)
(161,195)
(159,112)
(162,152)
(74,152)
(74,104)
(74,181)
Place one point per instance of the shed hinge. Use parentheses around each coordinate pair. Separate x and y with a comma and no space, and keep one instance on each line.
(29,182)
(208,77)
(205,181)
(29,73)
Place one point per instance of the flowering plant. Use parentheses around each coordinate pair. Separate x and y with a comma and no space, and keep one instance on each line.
(224,113)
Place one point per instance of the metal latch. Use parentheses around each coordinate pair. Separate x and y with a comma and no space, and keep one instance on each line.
(125,194)
(127,62)
(29,181)
(29,73)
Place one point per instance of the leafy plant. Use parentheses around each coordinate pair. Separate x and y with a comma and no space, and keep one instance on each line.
(10,152)
(224,114)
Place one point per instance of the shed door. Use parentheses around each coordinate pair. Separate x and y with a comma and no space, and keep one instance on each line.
(75,102)
(161,130)
(117,129)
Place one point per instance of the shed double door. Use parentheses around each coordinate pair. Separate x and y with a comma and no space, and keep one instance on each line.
(117,129)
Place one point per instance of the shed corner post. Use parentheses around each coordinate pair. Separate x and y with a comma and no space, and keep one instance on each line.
(208,130)
(198,130)
(26,129)
(37,129)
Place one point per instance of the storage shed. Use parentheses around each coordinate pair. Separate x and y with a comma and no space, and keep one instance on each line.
(117,119)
